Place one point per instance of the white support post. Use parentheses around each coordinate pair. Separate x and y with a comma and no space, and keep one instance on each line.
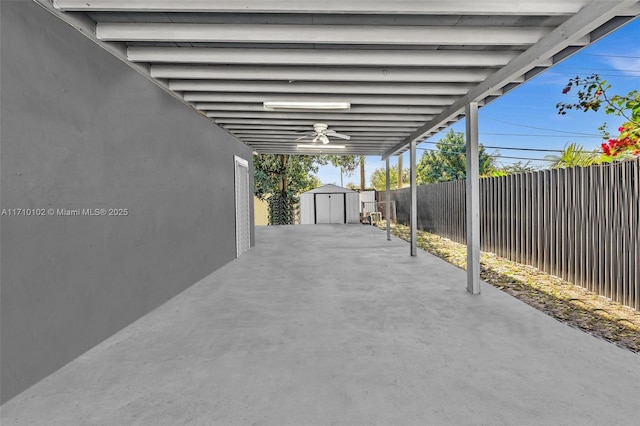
(414,202)
(387,210)
(473,199)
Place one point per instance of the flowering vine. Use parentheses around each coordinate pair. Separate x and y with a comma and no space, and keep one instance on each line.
(592,95)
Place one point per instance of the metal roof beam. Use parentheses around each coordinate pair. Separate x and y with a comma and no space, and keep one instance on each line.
(302,127)
(349,148)
(323,57)
(325,149)
(375,74)
(380,145)
(431,7)
(293,137)
(296,151)
(289,137)
(374,143)
(579,26)
(321,116)
(310,122)
(355,109)
(325,34)
(320,87)
(354,99)
(292,134)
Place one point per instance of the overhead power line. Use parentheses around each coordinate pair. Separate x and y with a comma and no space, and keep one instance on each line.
(523,135)
(610,56)
(629,74)
(509,148)
(602,69)
(494,156)
(520,158)
(541,128)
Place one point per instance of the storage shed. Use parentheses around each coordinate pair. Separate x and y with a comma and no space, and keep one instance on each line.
(329,204)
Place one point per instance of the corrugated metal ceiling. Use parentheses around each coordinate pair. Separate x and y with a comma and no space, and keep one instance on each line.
(406,67)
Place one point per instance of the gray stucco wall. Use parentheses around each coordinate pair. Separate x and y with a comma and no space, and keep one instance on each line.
(80,129)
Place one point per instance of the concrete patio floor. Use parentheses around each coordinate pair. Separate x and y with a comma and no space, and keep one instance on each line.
(335,325)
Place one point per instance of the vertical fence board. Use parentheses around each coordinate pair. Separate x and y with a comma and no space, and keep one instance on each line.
(579,206)
(539,220)
(634,226)
(515,222)
(499,216)
(546,229)
(604,249)
(534,219)
(570,238)
(564,213)
(511,209)
(623,242)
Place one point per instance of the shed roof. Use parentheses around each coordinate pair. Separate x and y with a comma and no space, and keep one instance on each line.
(329,189)
(407,67)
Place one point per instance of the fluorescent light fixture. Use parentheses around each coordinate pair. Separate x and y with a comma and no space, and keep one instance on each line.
(312,105)
(321,146)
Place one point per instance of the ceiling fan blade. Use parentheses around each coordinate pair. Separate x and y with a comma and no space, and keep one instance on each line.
(308,135)
(341,136)
(316,138)
(332,132)
(324,139)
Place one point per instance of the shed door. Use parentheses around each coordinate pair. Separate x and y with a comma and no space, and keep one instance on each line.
(329,208)
(337,208)
(323,208)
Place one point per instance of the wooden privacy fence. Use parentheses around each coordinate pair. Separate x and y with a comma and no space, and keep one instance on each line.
(580,224)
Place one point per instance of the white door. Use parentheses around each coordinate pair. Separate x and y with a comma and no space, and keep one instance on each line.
(243,198)
(329,208)
(337,208)
(323,208)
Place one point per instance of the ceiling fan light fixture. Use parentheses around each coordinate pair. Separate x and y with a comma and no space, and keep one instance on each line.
(320,146)
(311,105)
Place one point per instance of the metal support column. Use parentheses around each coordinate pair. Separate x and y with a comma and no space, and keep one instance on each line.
(414,202)
(387,211)
(400,186)
(473,199)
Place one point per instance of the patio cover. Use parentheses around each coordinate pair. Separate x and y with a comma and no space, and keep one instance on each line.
(408,68)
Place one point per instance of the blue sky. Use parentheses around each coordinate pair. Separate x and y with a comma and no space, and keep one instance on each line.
(527,117)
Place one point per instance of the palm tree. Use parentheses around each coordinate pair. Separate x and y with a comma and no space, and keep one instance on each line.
(574,155)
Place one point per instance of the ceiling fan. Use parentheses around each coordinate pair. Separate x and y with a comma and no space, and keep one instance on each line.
(321,133)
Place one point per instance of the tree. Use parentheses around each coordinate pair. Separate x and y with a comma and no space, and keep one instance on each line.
(352,186)
(279,179)
(312,183)
(346,163)
(448,161)
(513,169)
(574,155)
(379,181)
(592,95)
